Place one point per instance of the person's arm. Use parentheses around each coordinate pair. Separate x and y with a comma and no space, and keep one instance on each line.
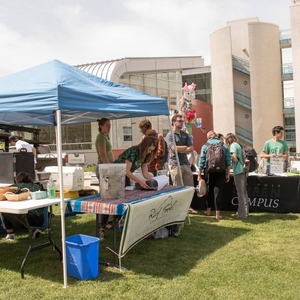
(130,175)
(228,161)
(180,149)
(189,149)
(185,148)
(228,173)
(202,160)
(145,172)
(34,151)
(266,151)
(103,155)
(234,157)
(267,155)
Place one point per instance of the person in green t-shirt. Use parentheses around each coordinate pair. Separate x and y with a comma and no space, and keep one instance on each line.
(102,143)
(105,156)
(275,147)
(240,177)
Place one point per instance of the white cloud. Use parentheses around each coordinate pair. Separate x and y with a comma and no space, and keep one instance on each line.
(83,31)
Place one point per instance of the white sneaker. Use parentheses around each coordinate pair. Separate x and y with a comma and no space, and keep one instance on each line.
(35,233)
(101,235)
(9,237)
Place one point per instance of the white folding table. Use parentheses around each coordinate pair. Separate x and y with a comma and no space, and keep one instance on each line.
(22,208)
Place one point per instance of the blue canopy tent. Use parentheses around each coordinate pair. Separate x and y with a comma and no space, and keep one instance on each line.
(55,93)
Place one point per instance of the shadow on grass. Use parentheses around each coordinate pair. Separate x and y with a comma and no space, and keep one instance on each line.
(45,263)
(263,217)
(174,257)
(165,258)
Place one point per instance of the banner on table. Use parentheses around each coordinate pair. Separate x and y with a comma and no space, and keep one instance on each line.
(146,216)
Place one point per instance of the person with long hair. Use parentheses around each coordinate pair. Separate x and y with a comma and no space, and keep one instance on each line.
(146,129)
(105,156)
(215,181)
(240,177)
(139,156)
(34,217)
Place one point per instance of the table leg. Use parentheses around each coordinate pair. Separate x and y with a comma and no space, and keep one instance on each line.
(114,251)
(115,239)
(34,248)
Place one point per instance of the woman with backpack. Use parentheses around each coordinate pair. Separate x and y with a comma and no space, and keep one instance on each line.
(215,163)
(240,175)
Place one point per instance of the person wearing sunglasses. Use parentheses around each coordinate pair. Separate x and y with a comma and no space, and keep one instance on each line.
(184,146)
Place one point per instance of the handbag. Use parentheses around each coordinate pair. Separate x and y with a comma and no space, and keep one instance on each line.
(201,188)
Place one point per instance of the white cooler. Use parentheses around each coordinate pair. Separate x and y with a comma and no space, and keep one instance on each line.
(73,177)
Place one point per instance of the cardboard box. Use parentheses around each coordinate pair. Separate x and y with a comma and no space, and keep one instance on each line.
(73,177)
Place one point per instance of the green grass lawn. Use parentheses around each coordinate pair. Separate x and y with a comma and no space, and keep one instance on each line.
(256,258)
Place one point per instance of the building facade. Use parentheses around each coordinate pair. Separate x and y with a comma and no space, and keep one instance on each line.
(162,77)
(248,89)
(249,79)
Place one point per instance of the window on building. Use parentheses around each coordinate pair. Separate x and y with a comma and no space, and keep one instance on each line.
(74,137)
(165,132)
(127,134)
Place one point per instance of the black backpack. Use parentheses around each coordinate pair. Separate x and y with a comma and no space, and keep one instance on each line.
(251,155)
(215,158)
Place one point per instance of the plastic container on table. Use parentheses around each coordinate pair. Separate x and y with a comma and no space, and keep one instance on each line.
(112,180)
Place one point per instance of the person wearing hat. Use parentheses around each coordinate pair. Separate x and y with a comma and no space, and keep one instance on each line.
(22,145)
(215,181)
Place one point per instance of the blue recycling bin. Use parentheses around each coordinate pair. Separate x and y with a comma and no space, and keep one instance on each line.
(82,256)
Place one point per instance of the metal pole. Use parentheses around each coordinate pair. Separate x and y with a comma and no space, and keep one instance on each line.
(61,188)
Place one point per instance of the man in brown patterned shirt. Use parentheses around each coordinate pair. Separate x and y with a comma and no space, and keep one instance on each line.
(156,164)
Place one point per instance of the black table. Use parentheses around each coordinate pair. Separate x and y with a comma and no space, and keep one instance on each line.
(266,194)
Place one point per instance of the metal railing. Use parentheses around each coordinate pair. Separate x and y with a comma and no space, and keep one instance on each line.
(285,36)
(241,64)
(244,133)
(242,99)
(288,102)
(287,70)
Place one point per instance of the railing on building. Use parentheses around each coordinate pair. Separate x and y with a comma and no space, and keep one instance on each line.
(288,105)
(242,99)
(244,134)
(285,36)
(287,70)
(241,64)
(290,139)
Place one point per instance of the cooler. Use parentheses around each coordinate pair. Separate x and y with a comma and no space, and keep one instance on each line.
(73,177)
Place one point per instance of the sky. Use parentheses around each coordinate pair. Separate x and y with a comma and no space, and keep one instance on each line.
(77,32)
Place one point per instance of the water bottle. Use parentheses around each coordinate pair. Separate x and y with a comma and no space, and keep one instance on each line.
(51,191)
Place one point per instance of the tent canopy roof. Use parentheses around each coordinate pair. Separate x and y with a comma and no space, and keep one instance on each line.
(30,97)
